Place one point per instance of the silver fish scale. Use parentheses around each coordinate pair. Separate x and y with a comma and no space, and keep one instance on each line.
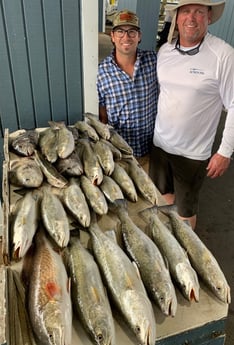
(105,157)
(143,182)
(75,201)
(25,223)
(55,218)
(94,195)
(111,189)
(101,128)
(65,142)
(125,182)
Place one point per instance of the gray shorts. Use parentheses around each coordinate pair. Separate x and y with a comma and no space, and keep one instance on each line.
(180,176)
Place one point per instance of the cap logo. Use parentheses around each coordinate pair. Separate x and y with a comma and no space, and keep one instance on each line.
(126,17)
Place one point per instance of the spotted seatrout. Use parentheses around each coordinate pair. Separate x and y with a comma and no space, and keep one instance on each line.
(125,285)
(89,297)
(154,272)
(179,265)
(200,256)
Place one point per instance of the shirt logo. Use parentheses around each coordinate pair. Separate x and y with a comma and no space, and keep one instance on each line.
(196,71)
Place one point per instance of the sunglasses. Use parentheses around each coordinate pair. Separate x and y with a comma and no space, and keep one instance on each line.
(189,52)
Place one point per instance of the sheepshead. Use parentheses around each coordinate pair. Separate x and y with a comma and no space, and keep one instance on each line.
(54,217)
(92,168)
(105,156)
(48,144)
(74,200)
(65,140)
(142,181)
(111,189)
(115,151)
(25,222)
(49,301)
(124,284)
(70,166)
(145,253)
(126,184)
(25,172)
(179,264)
(25,143)
(52,175)
(94,195)
(89,297)
(101,128)
(200,256)
(117,140)
(85,128)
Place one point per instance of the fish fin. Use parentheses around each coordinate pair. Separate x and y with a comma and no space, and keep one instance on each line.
(69,285)
(137,269)
(95,294)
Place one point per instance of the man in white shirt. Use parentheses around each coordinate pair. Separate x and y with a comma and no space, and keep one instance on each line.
(196,78)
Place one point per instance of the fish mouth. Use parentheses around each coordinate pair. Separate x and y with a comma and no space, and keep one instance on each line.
(193,296)
(172,308)
(149,340)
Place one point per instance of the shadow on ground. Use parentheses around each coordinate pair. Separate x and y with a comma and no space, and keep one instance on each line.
(215,225)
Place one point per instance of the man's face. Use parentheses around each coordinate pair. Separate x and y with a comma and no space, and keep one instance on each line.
(192,22)
(126,42)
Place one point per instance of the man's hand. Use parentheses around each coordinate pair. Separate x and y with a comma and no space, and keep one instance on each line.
(217,166)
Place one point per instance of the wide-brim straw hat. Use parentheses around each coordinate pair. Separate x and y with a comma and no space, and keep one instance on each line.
(216,12)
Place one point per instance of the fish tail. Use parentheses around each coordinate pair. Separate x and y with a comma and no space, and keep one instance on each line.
(166,209)
(118,205)
(56,125)
(146,213)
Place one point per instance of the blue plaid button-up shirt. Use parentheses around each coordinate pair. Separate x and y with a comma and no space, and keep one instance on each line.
(131,103)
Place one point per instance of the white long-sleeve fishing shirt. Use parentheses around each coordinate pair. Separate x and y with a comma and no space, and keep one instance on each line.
(193,91)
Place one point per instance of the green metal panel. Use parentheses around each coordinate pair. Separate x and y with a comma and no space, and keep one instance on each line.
(40,63)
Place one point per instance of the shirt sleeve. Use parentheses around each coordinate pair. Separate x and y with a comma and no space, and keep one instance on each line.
(227,94)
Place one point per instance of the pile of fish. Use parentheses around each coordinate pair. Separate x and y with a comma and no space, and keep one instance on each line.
(68,177)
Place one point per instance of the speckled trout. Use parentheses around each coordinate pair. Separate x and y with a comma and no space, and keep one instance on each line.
(179,265)
(125,285)
(200,256)
(89,297)
(154,272)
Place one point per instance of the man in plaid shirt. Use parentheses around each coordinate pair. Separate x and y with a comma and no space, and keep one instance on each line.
(127,85)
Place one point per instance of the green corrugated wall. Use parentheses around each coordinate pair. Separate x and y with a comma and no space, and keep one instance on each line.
(40,63)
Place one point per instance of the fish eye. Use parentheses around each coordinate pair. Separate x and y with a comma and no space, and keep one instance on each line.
(137,329)
(100,337)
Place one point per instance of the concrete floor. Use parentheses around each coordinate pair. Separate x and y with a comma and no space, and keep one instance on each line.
(215,224)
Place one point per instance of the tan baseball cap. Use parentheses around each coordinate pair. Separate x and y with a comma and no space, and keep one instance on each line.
(126,17)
